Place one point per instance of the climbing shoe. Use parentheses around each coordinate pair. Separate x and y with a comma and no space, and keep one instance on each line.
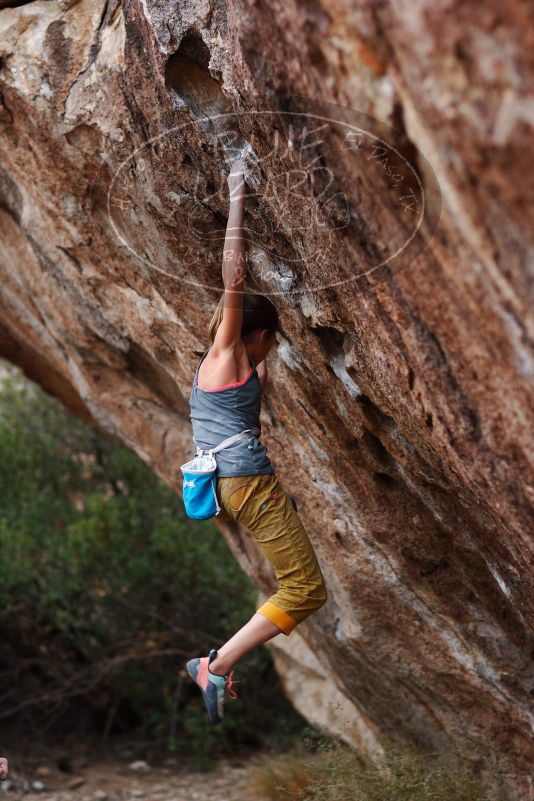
(212,685)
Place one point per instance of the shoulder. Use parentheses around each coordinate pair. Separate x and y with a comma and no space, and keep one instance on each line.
(235,352)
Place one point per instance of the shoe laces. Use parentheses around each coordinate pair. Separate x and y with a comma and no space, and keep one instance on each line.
(229,685)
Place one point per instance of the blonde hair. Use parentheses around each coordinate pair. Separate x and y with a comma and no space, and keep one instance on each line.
(216,320)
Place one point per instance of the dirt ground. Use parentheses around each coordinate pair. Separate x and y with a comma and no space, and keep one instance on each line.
(110,778)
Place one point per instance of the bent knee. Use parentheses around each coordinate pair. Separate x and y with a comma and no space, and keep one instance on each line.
(318,596)
(322,599)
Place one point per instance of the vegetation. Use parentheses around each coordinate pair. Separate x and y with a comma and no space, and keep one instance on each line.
(322,768)
(106,589)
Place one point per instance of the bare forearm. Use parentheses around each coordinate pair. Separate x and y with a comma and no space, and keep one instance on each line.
(234,263)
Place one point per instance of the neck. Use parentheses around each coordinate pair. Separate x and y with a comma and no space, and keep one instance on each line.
(252,352)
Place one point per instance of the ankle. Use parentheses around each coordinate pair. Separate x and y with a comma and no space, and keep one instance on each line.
(219,666)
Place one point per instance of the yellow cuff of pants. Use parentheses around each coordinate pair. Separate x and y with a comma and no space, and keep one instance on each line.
(277,616)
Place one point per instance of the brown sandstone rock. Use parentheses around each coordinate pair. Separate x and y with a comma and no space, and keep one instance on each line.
(405,390)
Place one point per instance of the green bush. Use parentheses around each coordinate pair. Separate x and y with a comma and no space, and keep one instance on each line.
(322,768)
(106,588)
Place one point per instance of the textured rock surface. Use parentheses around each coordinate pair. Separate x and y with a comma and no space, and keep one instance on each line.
(405,394)
(322,702)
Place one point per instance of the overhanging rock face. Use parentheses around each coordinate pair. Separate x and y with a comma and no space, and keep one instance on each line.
(398,408)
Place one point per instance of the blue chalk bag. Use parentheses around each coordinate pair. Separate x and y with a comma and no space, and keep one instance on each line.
(199,489)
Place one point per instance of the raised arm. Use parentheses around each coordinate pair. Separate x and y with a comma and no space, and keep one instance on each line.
(234,264)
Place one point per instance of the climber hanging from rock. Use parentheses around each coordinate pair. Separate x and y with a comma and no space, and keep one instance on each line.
(226,400)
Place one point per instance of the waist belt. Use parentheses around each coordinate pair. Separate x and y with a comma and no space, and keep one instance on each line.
(229,441)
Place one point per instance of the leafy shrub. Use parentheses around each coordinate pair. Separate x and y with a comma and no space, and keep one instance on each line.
(107,588)
(322,768)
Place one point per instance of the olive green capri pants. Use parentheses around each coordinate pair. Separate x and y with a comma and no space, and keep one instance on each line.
(263,507)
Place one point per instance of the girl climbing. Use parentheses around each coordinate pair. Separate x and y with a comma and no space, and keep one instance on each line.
(226,399)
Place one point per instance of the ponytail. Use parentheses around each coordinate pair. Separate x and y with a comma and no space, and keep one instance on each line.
(258,312)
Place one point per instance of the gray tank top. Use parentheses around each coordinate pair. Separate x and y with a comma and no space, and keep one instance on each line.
(217,414)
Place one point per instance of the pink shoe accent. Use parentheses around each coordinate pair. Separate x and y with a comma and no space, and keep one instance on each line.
(202,675)
(229,685)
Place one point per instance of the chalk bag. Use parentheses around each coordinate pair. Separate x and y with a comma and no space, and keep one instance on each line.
(199,486)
